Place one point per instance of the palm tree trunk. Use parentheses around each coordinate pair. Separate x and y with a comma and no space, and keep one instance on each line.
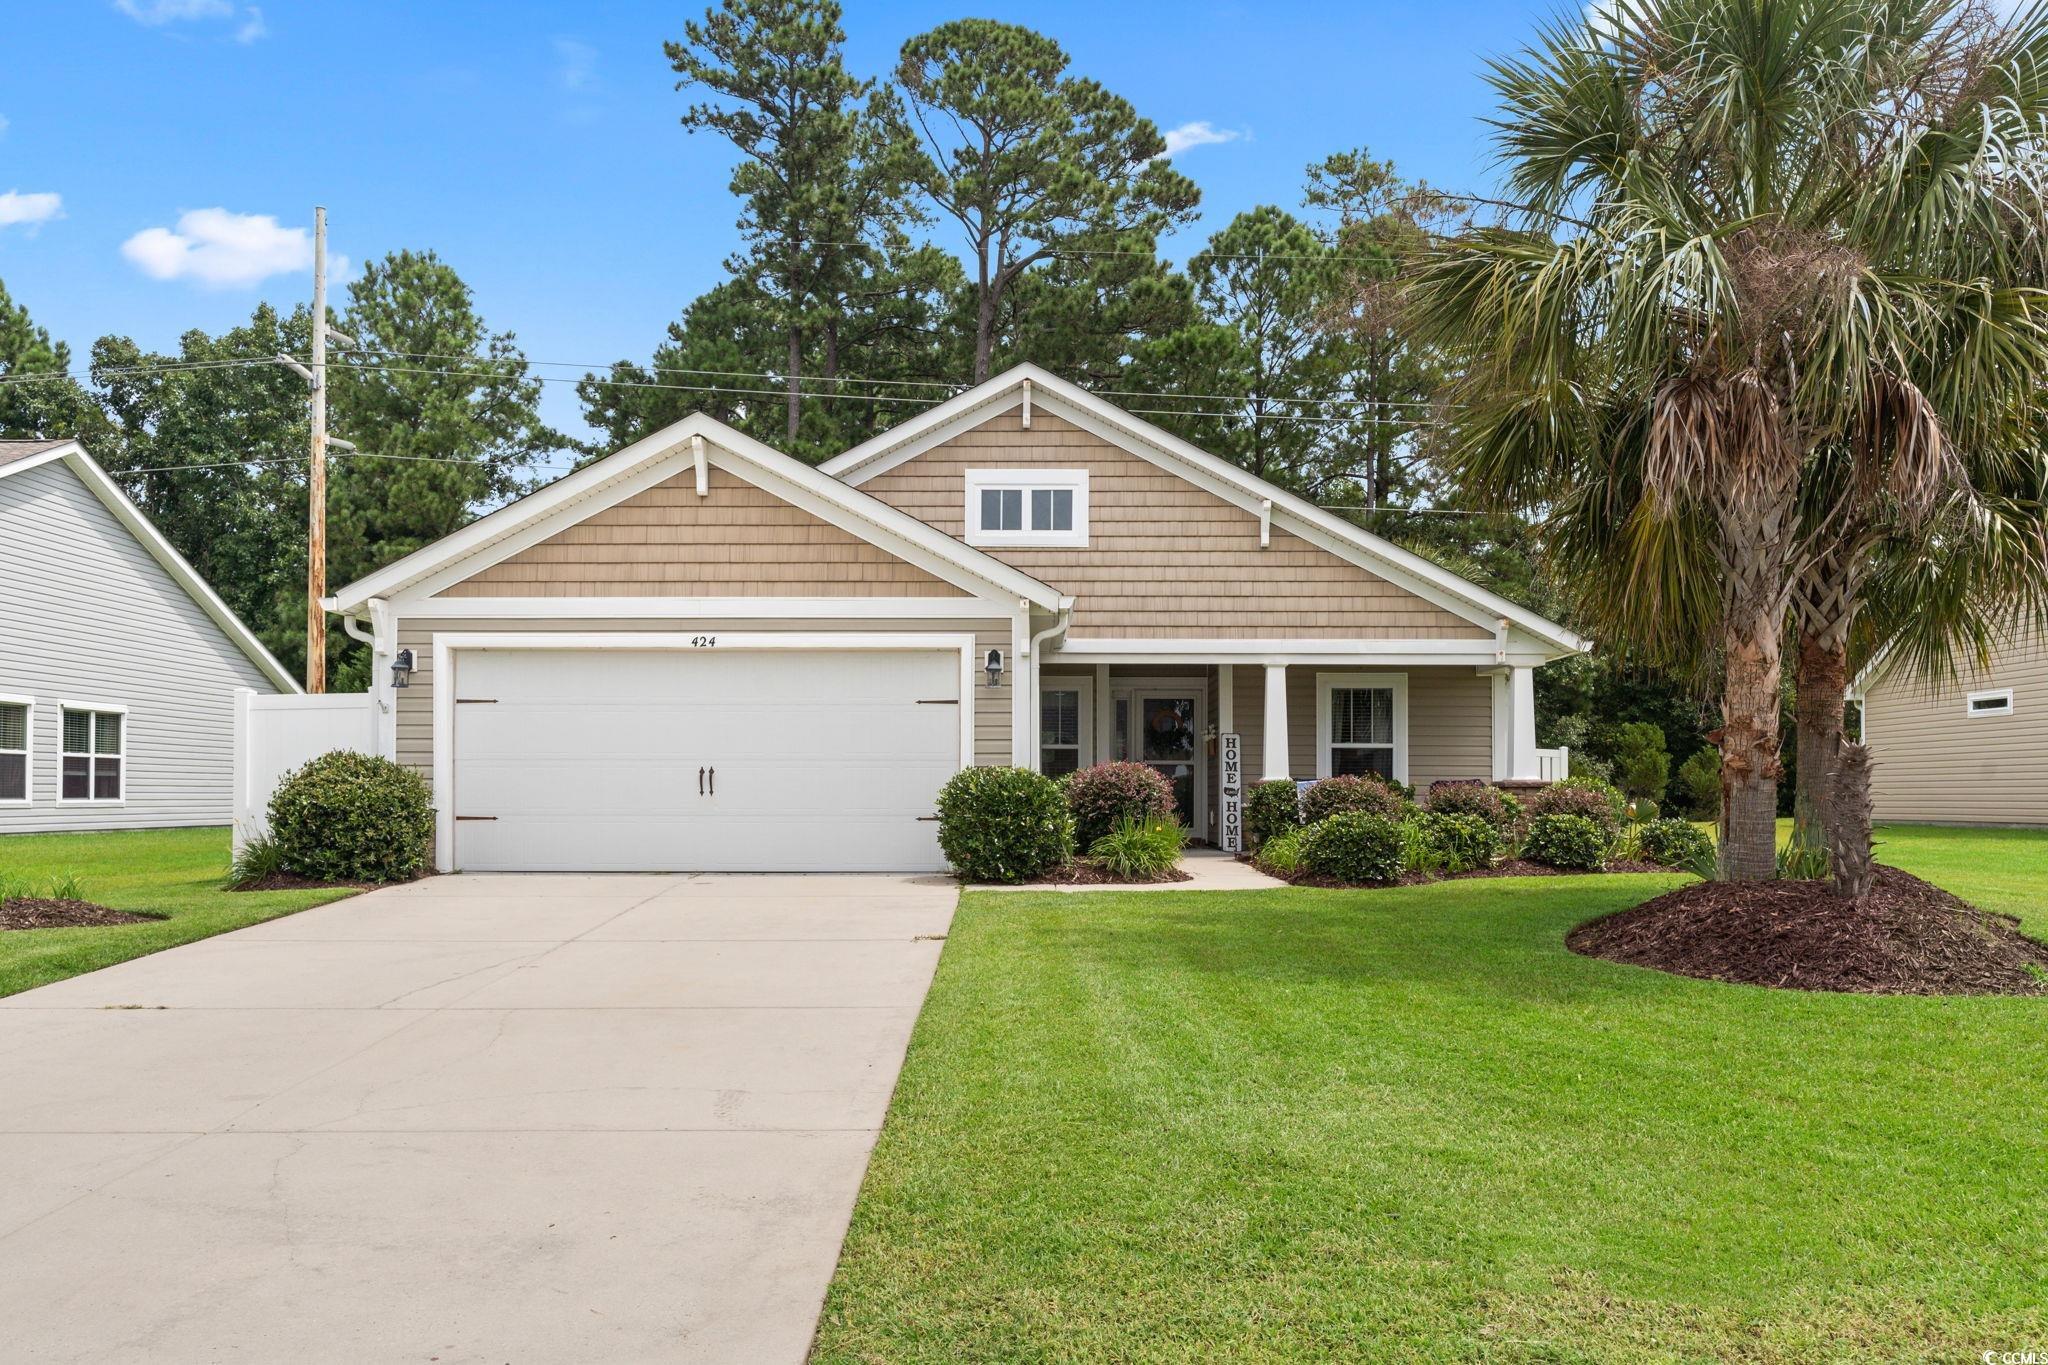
(1850,851)
(1820,686)
(1752,634)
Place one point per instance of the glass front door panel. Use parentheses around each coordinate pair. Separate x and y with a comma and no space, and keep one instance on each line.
(1168,732)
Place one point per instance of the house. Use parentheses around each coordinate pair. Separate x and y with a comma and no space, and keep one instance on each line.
(1970,752)
(118,664)
(700,653)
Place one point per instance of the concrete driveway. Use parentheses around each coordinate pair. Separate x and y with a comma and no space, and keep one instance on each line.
(490,1119)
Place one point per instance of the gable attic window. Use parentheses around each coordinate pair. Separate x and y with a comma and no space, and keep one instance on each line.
(1027,507)
(1997,703)
(14,746)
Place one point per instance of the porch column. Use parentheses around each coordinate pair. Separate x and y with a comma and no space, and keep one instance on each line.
(1273,748)
(1522,705)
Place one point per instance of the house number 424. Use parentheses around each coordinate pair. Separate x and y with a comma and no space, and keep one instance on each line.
(703,641)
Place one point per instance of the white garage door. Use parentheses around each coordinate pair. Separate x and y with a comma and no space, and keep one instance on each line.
(729,760)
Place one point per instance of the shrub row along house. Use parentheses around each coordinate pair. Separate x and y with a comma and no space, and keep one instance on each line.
(118,664)
(701,653)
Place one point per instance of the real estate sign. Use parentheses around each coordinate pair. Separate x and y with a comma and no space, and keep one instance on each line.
(1231,822)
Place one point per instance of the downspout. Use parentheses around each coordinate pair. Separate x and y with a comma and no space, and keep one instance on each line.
(1058,627)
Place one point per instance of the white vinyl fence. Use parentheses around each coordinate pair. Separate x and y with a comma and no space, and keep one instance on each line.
(275,734)
(1553,765)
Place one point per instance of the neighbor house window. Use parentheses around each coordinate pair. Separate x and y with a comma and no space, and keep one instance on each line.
(94,768)
(1027,507)
(1064,724)
(1997,703)
(1362,725)
(14,745)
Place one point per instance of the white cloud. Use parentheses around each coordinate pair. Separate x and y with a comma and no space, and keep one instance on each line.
(1200,133)
(220,249)
(154,12)
(252,27)
(29,210)
(578,69)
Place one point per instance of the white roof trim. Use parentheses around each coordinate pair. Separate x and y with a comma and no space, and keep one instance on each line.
(1402,567)
(129,515)
(657,457)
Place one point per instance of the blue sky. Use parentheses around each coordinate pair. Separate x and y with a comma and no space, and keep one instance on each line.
(536,148)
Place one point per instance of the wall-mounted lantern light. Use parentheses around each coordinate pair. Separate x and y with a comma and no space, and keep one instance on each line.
(994,667)
(401,668)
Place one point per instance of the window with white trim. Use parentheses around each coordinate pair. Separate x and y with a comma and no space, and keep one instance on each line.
(1065,723)
(1362,725)
(1994,703)
(1027,507)
(15,713)
(94,766)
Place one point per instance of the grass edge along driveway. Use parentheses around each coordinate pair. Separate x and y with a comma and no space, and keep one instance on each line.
(1303,1124)
(177,873)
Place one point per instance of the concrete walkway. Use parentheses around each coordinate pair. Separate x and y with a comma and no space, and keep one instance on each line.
(475,1119)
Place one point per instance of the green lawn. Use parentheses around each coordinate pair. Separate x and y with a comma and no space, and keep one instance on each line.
(1310,1125)
(171,872)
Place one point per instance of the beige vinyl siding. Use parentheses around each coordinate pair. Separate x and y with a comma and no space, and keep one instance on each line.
(1450,721)
(415,729)
(1165,558)
(1934,762)
(738,541)
(87,614)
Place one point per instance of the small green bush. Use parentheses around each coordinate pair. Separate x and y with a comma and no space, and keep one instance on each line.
(350,817)
(1281,854)
(1004,824)
(1581,796)
(1698,784)
(1106,794)
(1140,850)
(1462,843)
(1482,799)
(1355,846)
(1642,766)
(1572,841)
(1271,810)
(1677,843)
(259,860)
(1334,794)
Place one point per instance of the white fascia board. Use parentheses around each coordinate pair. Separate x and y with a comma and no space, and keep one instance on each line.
(1404,568)
(166,554)
(1479,654)
(700,608)
(658,457)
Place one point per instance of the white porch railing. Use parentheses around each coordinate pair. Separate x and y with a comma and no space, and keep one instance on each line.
(1553,765)
(274,735)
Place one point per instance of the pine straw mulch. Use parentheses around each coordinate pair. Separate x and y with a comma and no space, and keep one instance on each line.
(1906,938)
(292,881)
(40,912)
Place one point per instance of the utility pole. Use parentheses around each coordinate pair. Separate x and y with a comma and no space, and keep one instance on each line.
(316,476)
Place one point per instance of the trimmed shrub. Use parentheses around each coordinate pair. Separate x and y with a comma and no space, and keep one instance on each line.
(1699,784)
(1004,824)
(1677,843)
(1102,795)
(1334,794)
(1642,766)
(1462,843)
(1566,841)
(1355,846)
(350,817)
(1142,850)
(1271,810)
(1576,796)
(1482,799)
(1281,854)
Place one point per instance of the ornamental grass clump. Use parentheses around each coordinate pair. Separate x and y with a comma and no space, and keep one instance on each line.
(1140,850)
(1103,795)
(1004,824)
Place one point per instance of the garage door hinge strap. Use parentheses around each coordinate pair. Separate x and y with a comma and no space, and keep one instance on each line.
(938,701)
(476,701)
(476,817)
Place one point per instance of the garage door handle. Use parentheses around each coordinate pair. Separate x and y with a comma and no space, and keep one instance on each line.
(714,781)
(700,781)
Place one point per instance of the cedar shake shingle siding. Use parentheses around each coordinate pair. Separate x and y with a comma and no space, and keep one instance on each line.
(738,541)
(1164,557)
(1932,761)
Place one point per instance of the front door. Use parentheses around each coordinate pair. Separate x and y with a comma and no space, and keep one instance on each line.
(1168,737)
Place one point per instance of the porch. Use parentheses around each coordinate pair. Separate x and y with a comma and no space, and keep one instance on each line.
(1414,722)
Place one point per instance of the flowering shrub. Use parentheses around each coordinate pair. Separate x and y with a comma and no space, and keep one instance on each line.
(1334,794)
(1586,802)
(1107,793)
(1482,799)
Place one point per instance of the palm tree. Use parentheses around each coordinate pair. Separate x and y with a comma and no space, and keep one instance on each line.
(1749,233)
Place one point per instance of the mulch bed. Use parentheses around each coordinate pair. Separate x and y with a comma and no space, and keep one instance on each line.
(1084,873)
(1906,938)
(1513,867)
(36,912)
(290,881)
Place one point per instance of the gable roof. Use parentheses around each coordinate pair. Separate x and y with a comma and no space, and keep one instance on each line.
(19,456)
(668,452)
(1404,568)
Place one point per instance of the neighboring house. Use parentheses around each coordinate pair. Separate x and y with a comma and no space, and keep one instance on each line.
(118,665)
(1972,752)
(701,653)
